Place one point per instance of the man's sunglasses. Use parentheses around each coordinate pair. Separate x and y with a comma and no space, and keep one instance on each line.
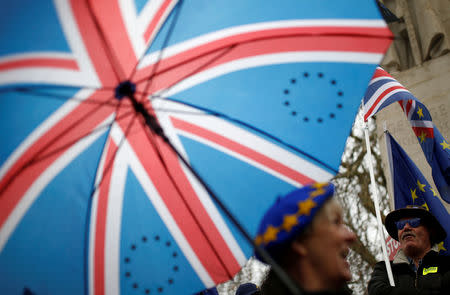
(413,222)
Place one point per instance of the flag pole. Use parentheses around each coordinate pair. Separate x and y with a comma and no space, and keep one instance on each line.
(377,206)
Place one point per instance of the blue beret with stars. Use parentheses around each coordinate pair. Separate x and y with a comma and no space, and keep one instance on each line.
(290,215)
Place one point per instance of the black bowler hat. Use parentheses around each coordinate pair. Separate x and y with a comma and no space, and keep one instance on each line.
(437,232)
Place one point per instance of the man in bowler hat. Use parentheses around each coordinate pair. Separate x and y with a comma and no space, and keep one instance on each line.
(417,267)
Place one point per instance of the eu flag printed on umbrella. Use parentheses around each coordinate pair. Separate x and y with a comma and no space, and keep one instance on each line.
(383,90)
(104,103)
(411,188)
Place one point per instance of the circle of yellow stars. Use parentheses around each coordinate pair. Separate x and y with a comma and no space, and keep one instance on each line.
(291,220)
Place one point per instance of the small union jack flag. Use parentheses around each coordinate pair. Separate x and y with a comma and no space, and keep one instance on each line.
(383,90)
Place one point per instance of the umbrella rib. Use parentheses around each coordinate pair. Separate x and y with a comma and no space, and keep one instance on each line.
(173,111)
(87,232)
(32,91)
(109,53)
(148,106)
(154,127)
(92,87)
(291,286)
(163,162)
(221,53)
(236,44)
(220,49)
(108,166)
(37,157)
(250,126)
(164,45)
(94,131)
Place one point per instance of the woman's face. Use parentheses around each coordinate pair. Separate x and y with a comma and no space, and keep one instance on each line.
(328,245)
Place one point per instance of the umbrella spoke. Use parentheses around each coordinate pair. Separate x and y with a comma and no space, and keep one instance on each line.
(158,149)
(280,272)
(106,168)
(174,111)
(222,52)
(43,153)
(109,164)
(261,251)
(106,47)
(38,92)
(218,114)
(164,45)
(147,105)
(99,129)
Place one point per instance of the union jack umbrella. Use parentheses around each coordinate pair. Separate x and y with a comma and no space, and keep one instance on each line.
(106,104)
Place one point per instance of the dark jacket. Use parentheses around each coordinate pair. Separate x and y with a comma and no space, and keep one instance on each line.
(432,276)
(274,286)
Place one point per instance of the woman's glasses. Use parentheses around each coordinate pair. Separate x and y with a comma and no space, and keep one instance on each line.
(413,222)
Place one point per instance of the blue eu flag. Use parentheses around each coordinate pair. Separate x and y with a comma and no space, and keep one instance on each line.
(411,188)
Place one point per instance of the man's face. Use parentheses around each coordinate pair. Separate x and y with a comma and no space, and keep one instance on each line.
(414,241)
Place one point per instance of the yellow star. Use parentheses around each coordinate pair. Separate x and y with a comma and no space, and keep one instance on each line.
(270,234)
(289,221)
(319,184)
(445,145)
(421,186)
(304,208)
(319,189)
(434,192)
(422,137)
(441,247)
(420,112)
(425,205)
(413,194)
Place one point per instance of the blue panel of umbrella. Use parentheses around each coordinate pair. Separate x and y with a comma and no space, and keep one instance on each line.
(142,141)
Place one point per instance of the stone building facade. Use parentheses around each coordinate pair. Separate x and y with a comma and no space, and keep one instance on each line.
(419,58)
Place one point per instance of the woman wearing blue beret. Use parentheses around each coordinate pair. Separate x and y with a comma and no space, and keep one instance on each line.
(304,232)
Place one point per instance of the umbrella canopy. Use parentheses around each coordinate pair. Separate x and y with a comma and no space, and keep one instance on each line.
(102,101)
